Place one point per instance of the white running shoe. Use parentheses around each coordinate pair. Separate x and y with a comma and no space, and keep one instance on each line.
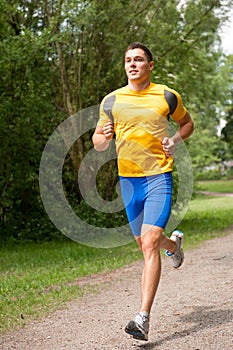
(177,257)
(139,328)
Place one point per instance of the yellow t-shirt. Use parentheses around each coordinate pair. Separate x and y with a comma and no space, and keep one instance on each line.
(140,124)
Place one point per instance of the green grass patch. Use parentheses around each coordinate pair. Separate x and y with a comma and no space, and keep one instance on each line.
(206,218)
(223,186)
(36,279)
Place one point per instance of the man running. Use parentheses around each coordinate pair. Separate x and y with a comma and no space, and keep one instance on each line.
(138,114)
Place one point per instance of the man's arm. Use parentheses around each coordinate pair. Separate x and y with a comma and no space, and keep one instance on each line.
(186,127)
(102,136)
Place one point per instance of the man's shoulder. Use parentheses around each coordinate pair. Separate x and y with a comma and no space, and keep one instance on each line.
(161,87)
(121,90)
(164,87)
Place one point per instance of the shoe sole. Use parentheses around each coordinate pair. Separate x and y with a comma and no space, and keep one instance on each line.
(136,333)
(182,260)
(181,251)
(181,238)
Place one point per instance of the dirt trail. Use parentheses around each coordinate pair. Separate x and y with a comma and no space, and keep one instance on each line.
(217,194)
(193,309)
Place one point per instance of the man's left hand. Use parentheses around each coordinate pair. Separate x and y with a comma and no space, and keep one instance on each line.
(168,146)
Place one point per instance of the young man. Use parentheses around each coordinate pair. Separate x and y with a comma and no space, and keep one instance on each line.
(138,114)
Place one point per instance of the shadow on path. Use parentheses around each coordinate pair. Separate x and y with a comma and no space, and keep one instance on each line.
(203,317)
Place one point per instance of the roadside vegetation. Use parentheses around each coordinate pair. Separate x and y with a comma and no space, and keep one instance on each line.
(37,278)
(216,186)
(58,59)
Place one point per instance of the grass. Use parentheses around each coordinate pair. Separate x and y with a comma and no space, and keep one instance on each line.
(223,186)
(36,279)
(206,218)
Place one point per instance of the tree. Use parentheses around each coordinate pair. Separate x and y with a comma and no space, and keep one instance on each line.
(59,57)
(26,115)
(227,131)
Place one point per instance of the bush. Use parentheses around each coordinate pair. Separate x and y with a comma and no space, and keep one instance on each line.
(208,175)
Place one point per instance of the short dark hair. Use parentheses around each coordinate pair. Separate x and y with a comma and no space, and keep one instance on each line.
(138,45)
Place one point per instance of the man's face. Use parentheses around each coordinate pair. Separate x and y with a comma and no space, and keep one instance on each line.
(137,66)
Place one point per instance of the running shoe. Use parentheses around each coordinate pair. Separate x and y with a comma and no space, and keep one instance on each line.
(139,328)
(177,257)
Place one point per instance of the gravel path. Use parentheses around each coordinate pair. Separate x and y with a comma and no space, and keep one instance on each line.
(193,309)
(216,194)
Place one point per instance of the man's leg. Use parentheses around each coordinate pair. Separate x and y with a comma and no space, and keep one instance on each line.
(150,242)
(167,243)
(150,246)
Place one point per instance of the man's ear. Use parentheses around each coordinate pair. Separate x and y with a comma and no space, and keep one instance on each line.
(152,65)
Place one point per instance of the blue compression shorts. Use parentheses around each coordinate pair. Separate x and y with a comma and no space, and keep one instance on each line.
(147,200)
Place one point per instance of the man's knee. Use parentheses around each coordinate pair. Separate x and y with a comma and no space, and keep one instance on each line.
(150,238)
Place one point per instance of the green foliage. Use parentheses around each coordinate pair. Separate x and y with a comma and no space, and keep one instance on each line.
(208,175)
(100,219)
(26,116)
(58,57)
(226,133)
(207,145)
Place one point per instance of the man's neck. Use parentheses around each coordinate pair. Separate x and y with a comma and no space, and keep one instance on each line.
(138,87)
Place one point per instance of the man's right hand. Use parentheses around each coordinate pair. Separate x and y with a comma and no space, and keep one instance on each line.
(102,136)
(108,130)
